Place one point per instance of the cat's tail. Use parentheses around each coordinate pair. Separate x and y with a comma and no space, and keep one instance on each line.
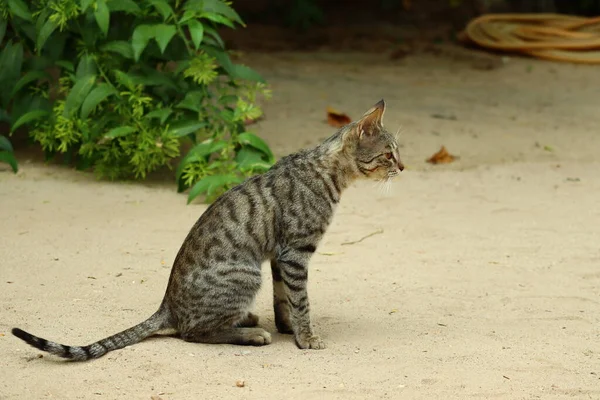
(157,323)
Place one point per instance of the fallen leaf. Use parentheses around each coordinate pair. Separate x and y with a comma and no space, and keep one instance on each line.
(441,157)
(154,397)
(336,118)
(395,310)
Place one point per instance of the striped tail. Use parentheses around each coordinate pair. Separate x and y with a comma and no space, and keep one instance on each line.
(156,323)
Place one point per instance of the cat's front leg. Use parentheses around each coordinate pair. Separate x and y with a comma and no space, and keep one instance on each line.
(293,264)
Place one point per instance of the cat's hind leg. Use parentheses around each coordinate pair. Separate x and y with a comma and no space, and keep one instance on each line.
(249,321)
(239,336)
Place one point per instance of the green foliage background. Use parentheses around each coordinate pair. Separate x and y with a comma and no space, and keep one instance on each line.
(119,85)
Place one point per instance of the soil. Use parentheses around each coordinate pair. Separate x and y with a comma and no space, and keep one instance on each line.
(475,279)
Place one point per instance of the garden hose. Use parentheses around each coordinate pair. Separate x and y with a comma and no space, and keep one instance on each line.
(549,36)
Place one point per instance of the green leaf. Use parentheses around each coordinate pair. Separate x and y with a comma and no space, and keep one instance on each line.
(163,8)
(192,101)
(208,147)
(218,18)
(26,102)
(243,72)
(196,32)
(187,15)
(68,65)
(209,184)
(85,4)
(199,152)
(161,114)
(120,47)
(128,6)
(11,61)
(120,131)
(215,7)
(215,35)
(2,29)
(20,9)
(163,35)
(28,78)
(124,79)
(96,96)
(9,157)
(141,36)
(102,15)
(28,117)
(249,159)
(5,144)
(86,67)
(78,94)
(220,7)
(252,140)
(228,99)
(222,58)
(185,128)
(45,32)
(152,77)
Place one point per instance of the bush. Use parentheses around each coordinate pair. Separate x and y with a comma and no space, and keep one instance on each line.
(120,85)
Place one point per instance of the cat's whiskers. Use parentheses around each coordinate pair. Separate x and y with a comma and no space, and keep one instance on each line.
(384,185)
(397,134)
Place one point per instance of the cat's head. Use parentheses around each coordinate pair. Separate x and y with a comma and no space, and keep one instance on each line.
(372,147)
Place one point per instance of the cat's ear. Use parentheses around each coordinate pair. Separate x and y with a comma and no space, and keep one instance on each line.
(371,122)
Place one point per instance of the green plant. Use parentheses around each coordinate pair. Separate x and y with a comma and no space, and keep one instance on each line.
(6,153)
(120,85)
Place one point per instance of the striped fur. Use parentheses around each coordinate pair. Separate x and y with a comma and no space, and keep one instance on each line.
(279,216)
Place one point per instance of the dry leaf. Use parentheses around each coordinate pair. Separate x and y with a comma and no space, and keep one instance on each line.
(336,118)
(250,121)
(154,397)
(442,157)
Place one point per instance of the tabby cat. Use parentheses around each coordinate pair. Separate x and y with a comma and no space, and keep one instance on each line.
(280,216)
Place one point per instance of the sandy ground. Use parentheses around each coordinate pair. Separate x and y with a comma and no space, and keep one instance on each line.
(481,278)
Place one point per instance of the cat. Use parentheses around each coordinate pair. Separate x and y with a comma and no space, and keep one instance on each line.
(281,216)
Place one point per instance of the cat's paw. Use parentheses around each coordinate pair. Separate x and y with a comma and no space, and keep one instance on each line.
(313,342)
(261,339)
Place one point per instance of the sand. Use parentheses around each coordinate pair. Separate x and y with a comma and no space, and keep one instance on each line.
(480,279)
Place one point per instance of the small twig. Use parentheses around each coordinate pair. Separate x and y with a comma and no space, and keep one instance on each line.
(377,232)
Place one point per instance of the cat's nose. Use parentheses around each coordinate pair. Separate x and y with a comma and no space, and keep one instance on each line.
(400,166)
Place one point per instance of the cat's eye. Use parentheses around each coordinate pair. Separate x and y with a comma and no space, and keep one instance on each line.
(388,156)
